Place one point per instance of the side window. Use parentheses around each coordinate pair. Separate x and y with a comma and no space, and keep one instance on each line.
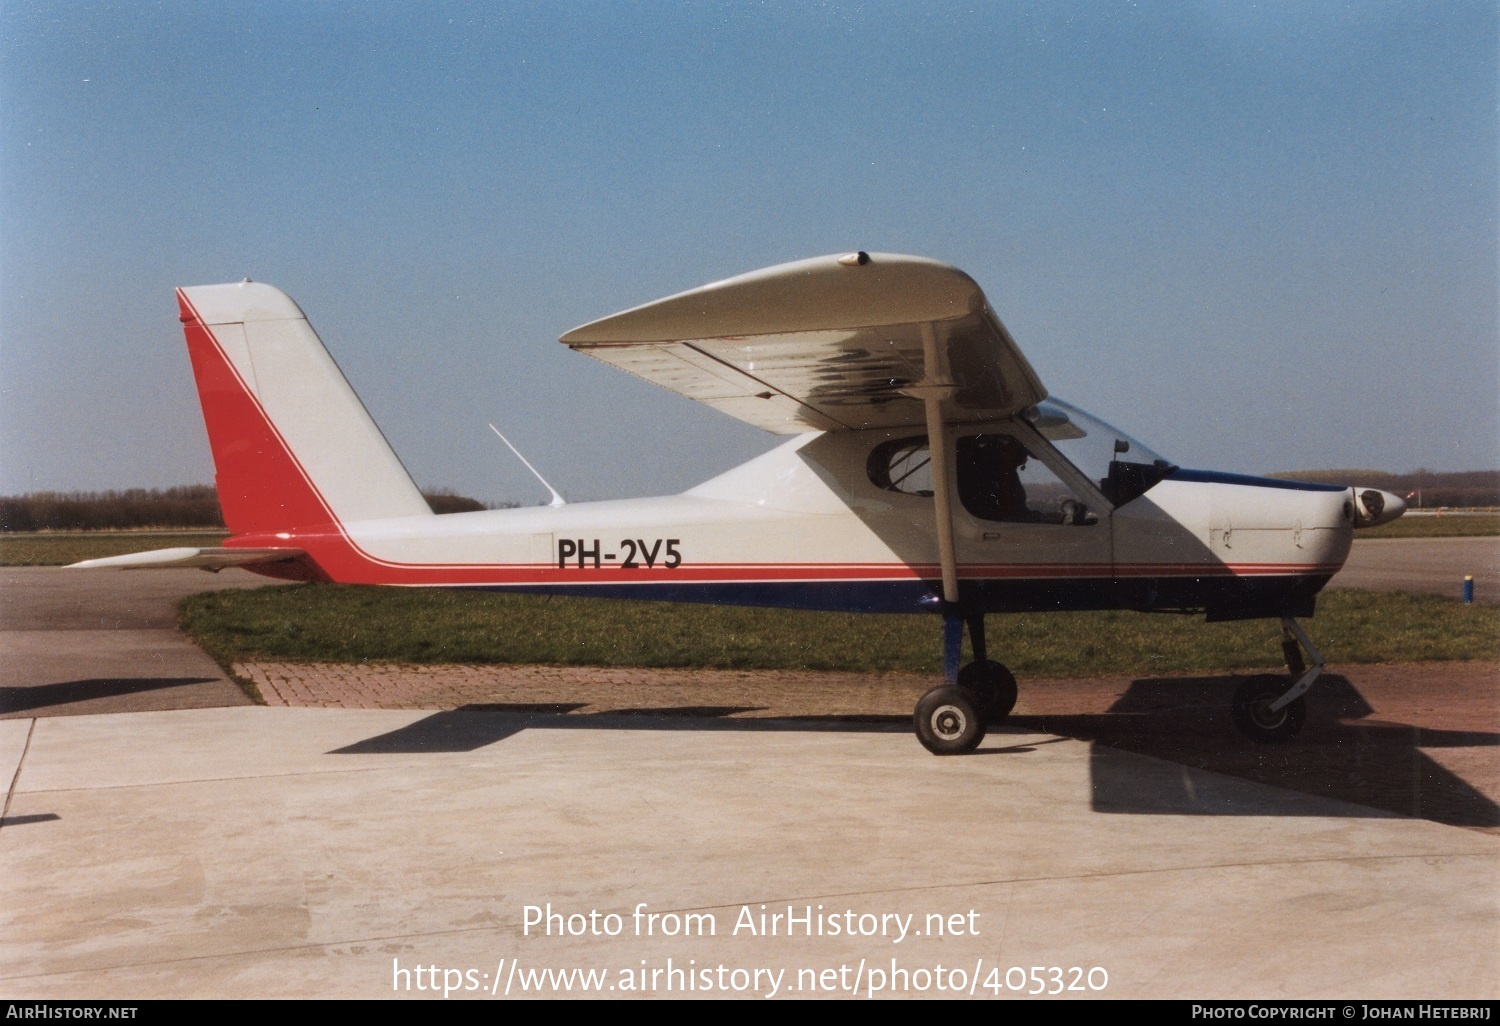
(999,479)
(902,465)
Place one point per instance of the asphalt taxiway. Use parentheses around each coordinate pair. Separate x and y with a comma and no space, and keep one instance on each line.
(75,641)
(1434,566)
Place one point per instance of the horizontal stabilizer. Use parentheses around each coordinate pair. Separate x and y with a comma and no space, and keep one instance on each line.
(202,559)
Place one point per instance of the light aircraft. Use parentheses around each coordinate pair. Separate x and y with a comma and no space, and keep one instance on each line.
(928,471)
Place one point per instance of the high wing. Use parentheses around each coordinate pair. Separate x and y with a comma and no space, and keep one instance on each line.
(840,342)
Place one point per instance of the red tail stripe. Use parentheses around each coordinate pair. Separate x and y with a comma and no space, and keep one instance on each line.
(262,487)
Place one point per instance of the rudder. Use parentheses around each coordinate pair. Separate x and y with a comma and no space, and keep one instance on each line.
(293,446)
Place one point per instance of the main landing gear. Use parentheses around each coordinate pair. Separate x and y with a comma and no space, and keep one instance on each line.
(1266,710)
(951,718)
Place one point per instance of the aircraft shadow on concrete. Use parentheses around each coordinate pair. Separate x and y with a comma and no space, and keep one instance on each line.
(44,696)
(1378,768)
(472,727)
(1374,768)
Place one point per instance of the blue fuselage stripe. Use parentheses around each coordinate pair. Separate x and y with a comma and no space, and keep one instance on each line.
(1219,596)
(1221,477)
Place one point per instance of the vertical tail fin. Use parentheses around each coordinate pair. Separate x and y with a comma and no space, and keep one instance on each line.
(293,446)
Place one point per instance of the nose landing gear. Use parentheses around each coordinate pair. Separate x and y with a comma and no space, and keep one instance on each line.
(1265,709)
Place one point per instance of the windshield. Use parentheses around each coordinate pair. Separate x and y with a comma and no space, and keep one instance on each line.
(1121,466)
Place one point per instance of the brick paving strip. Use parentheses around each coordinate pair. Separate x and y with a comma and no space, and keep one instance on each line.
(1453,696)
(589,689)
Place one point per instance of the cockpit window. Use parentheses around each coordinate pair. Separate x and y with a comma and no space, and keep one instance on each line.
(1122,466)
(902,465)
(1000,479)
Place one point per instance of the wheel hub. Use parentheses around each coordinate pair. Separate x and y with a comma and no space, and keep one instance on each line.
(1264,717)
(948,722)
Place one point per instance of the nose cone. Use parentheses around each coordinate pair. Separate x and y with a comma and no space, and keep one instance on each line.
(1372,507)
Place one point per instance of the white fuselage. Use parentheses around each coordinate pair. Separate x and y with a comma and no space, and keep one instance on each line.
(805,525)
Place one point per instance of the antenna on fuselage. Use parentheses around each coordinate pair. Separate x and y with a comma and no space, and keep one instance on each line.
(557,500)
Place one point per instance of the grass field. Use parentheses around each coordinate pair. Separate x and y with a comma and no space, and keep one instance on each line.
(307,623)
(1451,526)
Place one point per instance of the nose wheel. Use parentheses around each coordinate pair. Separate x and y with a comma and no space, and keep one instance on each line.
(1257,717)
(1267,709)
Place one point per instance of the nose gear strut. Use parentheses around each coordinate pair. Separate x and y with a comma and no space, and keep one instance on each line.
(1265,709)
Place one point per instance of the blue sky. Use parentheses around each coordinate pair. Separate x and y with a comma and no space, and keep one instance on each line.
(1258,236)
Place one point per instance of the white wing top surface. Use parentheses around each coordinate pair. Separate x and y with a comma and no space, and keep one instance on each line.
(824,344)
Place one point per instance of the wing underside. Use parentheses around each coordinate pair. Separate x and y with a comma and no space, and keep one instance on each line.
(832,343)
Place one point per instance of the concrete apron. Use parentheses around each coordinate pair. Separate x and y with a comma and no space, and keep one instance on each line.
(321,853)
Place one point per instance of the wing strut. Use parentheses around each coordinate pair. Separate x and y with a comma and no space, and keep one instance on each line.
(937,384)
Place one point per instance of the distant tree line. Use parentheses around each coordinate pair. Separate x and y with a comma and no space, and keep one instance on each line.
(1464,488)
(187,506)
(446,500)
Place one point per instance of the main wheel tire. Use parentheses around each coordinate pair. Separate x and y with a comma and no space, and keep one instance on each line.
(993,686)
(949,721)
(1253,716)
